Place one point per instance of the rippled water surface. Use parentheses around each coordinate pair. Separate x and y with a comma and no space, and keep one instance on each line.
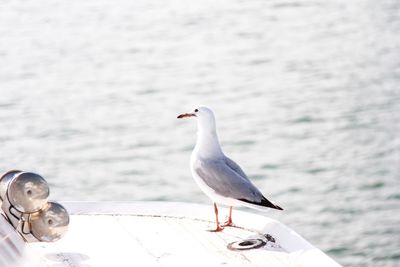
(306,95)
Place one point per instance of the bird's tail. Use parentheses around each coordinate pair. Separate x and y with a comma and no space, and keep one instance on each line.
(264,203)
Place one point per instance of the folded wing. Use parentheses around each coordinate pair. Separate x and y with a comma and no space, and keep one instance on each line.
(227,179)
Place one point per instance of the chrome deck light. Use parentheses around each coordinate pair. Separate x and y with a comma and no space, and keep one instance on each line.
(50,223)
(24,202)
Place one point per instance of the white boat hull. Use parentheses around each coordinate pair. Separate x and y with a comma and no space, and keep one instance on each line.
(170,234)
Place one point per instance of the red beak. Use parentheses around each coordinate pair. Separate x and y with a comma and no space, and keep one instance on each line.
(185,115)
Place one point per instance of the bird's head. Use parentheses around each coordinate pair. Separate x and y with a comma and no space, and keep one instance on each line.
(205,118)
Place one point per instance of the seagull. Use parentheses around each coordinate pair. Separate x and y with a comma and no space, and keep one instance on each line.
(219,177)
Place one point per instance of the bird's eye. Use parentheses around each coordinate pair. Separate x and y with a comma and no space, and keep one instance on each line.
(196,110)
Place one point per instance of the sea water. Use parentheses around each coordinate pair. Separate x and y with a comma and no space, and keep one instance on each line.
(306,96)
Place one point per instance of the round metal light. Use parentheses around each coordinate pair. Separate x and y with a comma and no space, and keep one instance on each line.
(28,192)
(5,180)
(50,223)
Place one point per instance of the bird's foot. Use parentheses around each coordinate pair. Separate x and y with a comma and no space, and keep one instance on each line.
(218,229)
(227,224)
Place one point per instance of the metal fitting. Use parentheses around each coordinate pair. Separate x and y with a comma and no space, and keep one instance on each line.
(24,202)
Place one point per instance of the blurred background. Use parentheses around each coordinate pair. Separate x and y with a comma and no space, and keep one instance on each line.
(306,95)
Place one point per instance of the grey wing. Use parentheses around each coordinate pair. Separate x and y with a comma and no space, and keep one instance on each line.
(234,166)
(227,182)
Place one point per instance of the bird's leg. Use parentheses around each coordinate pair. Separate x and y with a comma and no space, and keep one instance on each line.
(218,228)
(229,221)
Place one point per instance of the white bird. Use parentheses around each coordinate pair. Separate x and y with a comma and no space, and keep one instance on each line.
(219,177)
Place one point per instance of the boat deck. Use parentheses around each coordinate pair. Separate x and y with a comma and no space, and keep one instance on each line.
(171,234)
